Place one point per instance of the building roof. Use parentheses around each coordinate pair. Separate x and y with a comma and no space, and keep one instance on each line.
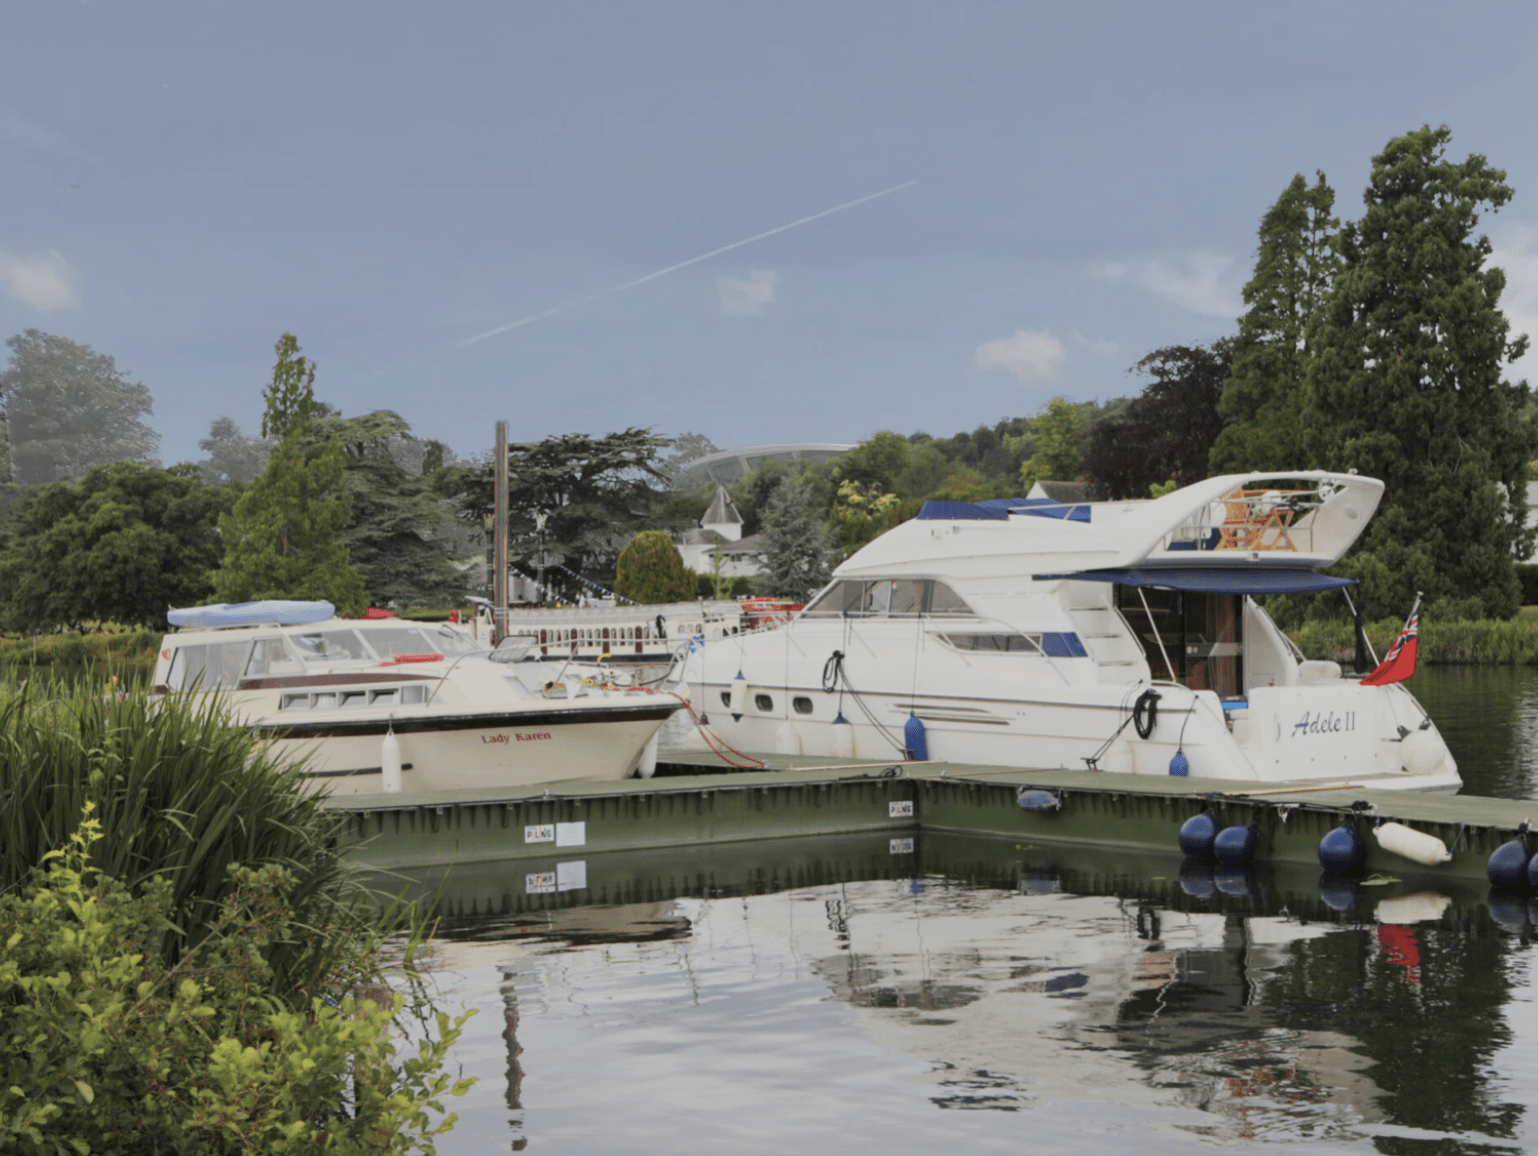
(729,465)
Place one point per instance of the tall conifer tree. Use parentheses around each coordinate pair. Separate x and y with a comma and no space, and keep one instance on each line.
(1264,397)
(1407,384)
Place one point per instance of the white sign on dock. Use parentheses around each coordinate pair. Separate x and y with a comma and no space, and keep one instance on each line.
(571,834)
(571,876)
(542,833)
(903,810)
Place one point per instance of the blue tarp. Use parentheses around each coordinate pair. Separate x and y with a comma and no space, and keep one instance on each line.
(1217,579)
(999,510)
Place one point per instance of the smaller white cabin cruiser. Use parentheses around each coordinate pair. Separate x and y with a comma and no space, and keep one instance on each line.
(369,703)
(1118,636)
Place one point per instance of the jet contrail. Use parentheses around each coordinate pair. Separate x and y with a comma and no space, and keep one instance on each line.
(620,288)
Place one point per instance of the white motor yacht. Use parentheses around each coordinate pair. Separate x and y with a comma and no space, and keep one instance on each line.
(1119,636)
(379,704)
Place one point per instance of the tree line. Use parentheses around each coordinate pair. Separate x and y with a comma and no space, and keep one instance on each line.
(1377,345)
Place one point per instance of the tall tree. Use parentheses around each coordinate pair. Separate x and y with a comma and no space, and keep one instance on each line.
(233,456)
(69,408)
(1059,440)
(597,491)
(399,536)
(795,550)
(1407,383)
(290,395)
(1166,431)
(282,538)
(121,544)
(1264,398)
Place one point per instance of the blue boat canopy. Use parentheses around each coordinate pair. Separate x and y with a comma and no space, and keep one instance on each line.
(1216,579)
(999,510)
(271,612)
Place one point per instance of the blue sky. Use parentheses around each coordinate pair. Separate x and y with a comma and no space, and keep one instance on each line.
(1080,184)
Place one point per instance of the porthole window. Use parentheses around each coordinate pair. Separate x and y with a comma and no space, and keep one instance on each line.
(763,702)
(802,704)
(726,698)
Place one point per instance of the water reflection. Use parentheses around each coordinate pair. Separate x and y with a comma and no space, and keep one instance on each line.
(1489,717)
(810,993)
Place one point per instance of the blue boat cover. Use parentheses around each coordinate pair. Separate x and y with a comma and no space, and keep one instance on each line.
(271,612)
(1216,579)
(999,510)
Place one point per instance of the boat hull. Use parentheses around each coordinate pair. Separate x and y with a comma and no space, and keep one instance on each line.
(442,751)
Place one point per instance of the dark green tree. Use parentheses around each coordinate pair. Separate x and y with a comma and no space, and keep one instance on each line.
(650,569)
(795,548)
(1407,384)
(1264,398)
(282,539)
(122,545)
(597,491)
(400,536)
(291,393)
(1167,431)
(69,408)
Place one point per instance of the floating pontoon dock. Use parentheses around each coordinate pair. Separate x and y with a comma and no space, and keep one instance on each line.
(812,797)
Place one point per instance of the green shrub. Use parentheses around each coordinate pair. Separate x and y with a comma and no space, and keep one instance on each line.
(651,570)
(107,1047)
(1527,575)
(180,794)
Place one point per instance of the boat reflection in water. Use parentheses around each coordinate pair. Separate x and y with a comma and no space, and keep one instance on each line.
(797,993)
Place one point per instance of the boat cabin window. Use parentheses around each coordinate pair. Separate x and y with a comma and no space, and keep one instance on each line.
(397,640)
(331,646)
(1202,635)
(208,665)
(995,643)
(271,657)
(887,597)
(328,700)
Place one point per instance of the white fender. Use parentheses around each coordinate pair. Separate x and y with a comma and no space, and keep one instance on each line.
(1422,753)
(842,746)
(1417,846)
(738,697)
(390,763)
(647,767)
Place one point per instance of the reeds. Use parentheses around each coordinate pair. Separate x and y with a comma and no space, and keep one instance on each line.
(180,793)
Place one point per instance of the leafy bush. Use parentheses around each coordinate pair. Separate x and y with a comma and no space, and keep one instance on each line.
(107,1047)
(1527,575)
(180,794)
(651,570)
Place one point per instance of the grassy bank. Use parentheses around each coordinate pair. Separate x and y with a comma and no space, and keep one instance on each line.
(128,655)
(1477,643)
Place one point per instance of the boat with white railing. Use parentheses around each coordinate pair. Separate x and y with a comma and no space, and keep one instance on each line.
(631,634)
(381,704)
(1118,636)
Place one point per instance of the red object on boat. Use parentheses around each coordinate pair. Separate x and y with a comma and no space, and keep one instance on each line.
(399,658)
(375,612)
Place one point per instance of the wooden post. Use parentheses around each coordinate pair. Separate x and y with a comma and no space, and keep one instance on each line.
(499,540)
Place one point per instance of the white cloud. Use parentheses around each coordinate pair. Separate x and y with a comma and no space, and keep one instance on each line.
(1516,251)
(747,296)
(1202,281)
(45,281)
(1029,354)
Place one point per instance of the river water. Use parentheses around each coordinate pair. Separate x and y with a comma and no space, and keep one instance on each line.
(971,995)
